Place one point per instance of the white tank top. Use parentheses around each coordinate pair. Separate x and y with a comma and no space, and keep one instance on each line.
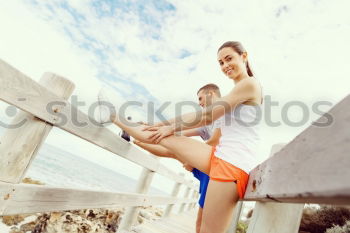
(240,136)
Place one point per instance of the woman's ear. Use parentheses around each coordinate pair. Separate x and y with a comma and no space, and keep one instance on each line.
(245,57)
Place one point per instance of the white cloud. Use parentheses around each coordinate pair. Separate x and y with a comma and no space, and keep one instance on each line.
(297,49)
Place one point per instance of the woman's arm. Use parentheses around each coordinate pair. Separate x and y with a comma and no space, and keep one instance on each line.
(246,90)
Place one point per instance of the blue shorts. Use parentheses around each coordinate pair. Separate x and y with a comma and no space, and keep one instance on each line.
(203,185)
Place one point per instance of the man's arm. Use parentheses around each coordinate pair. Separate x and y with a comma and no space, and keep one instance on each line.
(190,132)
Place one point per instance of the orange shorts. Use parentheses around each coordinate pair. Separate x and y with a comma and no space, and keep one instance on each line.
(223,171)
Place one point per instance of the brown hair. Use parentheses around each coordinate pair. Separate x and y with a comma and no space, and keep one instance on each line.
(238,47)
(210,87)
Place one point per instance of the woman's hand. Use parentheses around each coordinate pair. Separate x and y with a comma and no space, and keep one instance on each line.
(160,132)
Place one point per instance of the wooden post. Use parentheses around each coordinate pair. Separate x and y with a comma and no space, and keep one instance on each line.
(235,217)
(131,214)
(19,146)
(187,195)
(192,191)
(174,193)
(275,217)
(195,195)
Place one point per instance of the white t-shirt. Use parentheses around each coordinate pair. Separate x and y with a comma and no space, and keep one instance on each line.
(206,131)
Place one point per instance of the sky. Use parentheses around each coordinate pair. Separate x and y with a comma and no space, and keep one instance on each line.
(159,51)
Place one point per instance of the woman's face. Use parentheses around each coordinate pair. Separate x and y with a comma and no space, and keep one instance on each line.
(231,63)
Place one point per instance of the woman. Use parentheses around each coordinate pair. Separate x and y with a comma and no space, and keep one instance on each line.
(229,163)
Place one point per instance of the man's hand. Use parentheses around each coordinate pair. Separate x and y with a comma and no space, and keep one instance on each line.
(188,167)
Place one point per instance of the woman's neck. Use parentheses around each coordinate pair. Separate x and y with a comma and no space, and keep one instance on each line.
(241,77)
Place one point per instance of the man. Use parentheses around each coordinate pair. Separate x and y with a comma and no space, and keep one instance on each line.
(206,96)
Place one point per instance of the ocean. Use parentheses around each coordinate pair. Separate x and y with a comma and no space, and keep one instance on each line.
(56,164)
(56,167)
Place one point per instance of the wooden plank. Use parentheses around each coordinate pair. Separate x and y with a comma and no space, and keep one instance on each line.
(174,193)
(21,91)
(235,217)
(26,198)
(312,168)
(163,170)
(19,145)
(186,195)
(175,223)
(273,217)
(131,213)
(5,194)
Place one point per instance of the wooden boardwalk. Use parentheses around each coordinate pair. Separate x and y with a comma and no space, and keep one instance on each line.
(175,223)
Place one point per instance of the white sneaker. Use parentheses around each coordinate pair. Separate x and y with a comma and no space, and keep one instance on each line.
(106,110)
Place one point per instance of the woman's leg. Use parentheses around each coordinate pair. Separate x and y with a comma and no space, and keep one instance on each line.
(133,129)
(158,150)
(221,198)
(195,153)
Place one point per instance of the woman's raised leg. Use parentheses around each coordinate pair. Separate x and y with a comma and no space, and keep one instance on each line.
(158,150)
(193,152)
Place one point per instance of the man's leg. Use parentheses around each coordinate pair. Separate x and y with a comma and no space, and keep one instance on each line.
(199,219)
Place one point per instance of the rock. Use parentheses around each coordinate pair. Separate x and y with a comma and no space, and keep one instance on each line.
(27,227)
(41,223)
(55,216)
(15,230)
(82,221)
(13,219)
(29,180)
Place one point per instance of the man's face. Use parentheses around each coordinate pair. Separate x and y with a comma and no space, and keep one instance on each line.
(204,99)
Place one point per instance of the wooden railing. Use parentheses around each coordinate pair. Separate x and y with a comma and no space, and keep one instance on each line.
(312,168)
(19,146)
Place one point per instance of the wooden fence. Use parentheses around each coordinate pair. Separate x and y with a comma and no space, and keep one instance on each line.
(312,168)
(19,145)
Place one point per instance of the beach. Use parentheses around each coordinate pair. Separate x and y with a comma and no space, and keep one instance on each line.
(75,221)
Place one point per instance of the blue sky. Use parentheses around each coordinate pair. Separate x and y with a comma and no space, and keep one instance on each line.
(165,50)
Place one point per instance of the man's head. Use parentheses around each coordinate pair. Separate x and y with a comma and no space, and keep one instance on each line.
(208,94)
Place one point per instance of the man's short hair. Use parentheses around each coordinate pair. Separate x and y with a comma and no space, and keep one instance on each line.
(210,87)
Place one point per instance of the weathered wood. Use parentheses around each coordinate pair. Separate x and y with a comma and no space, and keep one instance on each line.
(195,195)
(174,193)
(166,172)
(143,185)
(235,217)
(312,168)
(26,94)
(187,195)
(5,194)
(275,217)
(26,198)
(20,144)
(175,223)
